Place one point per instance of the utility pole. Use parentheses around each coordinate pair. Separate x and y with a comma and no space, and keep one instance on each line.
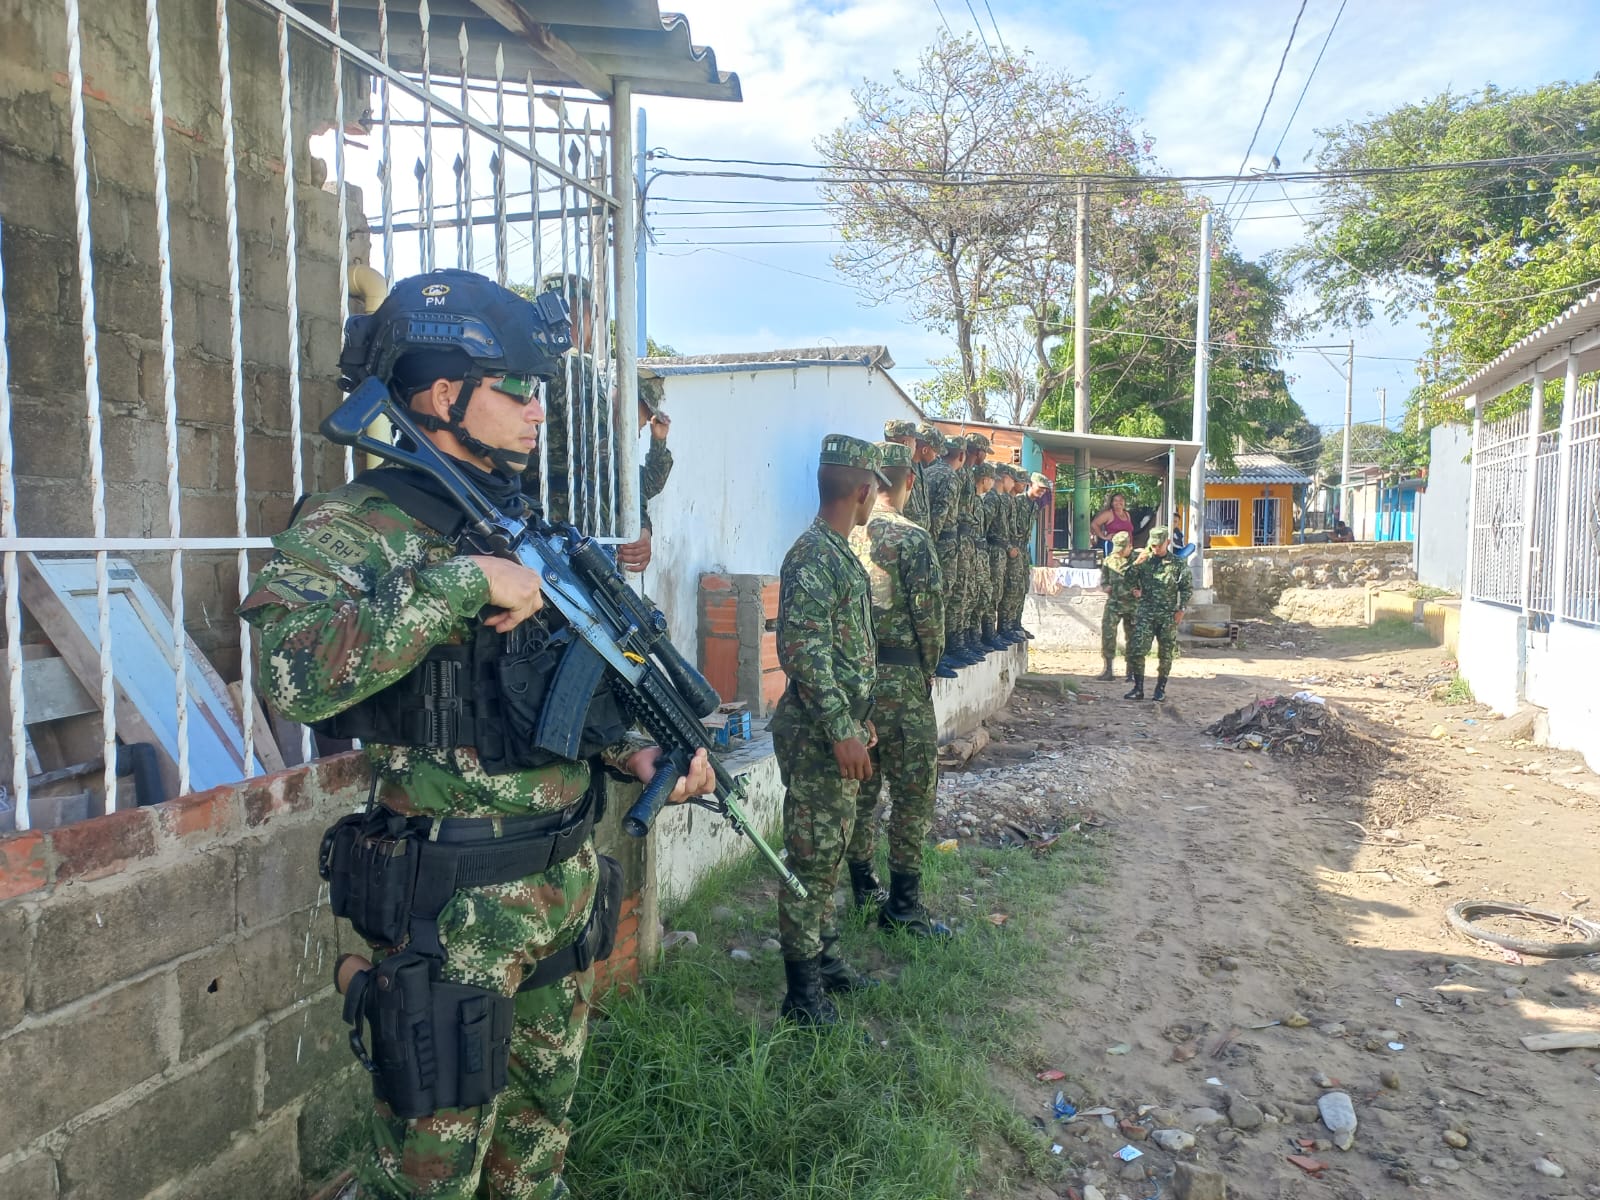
(1349,401)
(1202,398)
(1081,506)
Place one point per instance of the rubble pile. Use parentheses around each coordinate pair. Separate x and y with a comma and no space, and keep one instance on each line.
(1300,725)
(1024,799)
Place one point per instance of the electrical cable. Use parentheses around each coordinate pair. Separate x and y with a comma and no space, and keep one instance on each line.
(1272,91)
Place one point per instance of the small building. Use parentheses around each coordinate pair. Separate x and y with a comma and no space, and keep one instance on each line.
(1254,505)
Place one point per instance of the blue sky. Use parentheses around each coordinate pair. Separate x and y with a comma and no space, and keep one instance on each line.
(1197,74)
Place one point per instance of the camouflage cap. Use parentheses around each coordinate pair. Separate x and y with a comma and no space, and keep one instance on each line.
(894,454)
(1159,533)
(976,441)
(899,429)
(842,450)
(983,471)
(1121,539)
(1039,480)
(929,434)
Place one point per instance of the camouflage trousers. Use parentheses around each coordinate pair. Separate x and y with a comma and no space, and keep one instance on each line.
(1014,591)
(906,761)
(1118,614)
(819,815)
(949,551)
(1148,626)
(514,1147)
(997,587)
(975,571)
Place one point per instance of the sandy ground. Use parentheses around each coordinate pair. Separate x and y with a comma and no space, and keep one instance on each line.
(1247,889)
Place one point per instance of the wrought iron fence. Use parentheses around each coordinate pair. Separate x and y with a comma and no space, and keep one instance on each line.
(211,274)
(1580,587)
(1545,519)
(1499,479)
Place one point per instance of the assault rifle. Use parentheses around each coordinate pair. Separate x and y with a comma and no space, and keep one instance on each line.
(618,633)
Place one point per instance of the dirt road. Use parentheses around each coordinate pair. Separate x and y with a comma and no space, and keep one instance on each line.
(1249,889)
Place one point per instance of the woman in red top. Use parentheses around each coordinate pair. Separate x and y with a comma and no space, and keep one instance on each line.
(1111,520)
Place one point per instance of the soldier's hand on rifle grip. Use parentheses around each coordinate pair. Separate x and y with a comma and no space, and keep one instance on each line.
(513,588)
(854,763)
(699,780)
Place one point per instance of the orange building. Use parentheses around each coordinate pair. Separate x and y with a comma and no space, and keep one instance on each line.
(1255,504)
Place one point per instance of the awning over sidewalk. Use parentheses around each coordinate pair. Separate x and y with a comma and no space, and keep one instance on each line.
(1107,452)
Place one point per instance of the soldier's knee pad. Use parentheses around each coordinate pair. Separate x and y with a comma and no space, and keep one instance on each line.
(434,1044)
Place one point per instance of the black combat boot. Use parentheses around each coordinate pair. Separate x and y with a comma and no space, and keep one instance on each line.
(1161,687)
(864,886)
(1107,675)
(948,661)
(1137,692)
(839,976)
(904,911)
(1026,636)
(992,638)
(965,656)
(806,1004)
(1011,635)
(975,646)
(1128,678)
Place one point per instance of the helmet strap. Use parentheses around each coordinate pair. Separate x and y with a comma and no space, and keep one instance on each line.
(507,462)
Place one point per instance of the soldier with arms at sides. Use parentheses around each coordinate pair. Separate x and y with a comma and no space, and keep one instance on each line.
(942,512)
(1163,584)
(904,433)
(372,623)
(821,730)
(1116,581)
(908,617)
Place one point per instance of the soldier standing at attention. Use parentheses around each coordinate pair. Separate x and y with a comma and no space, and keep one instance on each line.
(988,594)
(1014,591)
(944,507)
(905,434)
(908,617)
(1163,585)
(973,572)
(1121,604)
(369,623)
(820,729)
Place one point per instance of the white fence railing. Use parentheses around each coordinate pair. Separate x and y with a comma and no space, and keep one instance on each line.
(1580,590)
(217,262)
(1499,479)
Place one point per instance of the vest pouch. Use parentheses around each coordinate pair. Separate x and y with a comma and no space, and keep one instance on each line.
(519,677)
(607,910)
(369,861)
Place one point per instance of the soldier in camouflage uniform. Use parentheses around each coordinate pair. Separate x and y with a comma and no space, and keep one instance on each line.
(908,616)
(904,433)
(1163,585)
(356,595)
(820,729)
(944,511)
(589,505)
(1121,604)
(987,598)
(1014,585)
(974,572)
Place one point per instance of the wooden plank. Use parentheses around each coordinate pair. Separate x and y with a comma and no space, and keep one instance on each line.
(1562,1041)
(81,656)
(266,745)
(50,691)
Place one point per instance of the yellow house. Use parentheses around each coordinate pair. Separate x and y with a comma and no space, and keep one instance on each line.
(1255,504)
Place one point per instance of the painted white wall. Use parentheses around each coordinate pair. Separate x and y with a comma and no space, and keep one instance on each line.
(1491,653)
(1441,540)
(1574,705)
(743,483)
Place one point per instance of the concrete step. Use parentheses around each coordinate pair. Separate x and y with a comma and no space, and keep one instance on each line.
(1209,614)
(1204,596)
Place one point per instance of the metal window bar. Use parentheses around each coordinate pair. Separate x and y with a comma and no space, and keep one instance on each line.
(1499,475)
(577,200)
(1544,517)
(1580,590)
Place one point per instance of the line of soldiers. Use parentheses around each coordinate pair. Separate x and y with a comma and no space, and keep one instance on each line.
(871,602)
(981,516)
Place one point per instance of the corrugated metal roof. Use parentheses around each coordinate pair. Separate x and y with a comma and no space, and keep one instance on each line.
(811,356)
(1257,468)
(1501,374)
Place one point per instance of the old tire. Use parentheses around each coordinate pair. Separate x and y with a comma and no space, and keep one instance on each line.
(1461,917)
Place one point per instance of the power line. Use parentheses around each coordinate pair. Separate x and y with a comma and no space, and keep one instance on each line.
(1272,91)
(996,25)
(1312,75)
(976,24)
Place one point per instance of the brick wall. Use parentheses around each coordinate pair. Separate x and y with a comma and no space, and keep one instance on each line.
(167,1023)
(1251,578)
(738,645)
(42,298)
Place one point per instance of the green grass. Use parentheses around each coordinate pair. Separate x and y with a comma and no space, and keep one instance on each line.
(1426,591)
(1457,691)
(1393,633)
(691,1089)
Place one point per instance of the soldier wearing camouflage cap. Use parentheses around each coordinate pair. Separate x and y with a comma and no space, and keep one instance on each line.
(1121,604)
(944,512)
(368,616)
(974,573)
(1164,585)
(904,433)
(820,729)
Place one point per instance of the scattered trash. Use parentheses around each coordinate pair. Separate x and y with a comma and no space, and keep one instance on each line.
(1561,1041)
(1184,1052)
(998,919)
(1119,1048)
(1549,1167)
(1339,1115)
(1268,1025)
(680,937)
(948,846)
(1311,1166)
(1397,1046)
(1055,1148)
(1214,1081)
(1302,724)
(1437,732)
(1585,933)
(1175,1141)
(1050,1076)
(741,955)
(1297,1020)
(1062,1107)
(1128,1153)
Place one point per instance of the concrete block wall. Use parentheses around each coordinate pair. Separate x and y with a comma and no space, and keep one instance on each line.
(737,619)
(168,1026)
(1249,579)
(43,313)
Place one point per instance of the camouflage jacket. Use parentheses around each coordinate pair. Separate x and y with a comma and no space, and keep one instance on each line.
(1022,515)
(941,483)
(591,449)
(917,498)
(1165,584)
(994,519)
(967,510)
(826,644)
(355,595)
(907,585)
(1116,576)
